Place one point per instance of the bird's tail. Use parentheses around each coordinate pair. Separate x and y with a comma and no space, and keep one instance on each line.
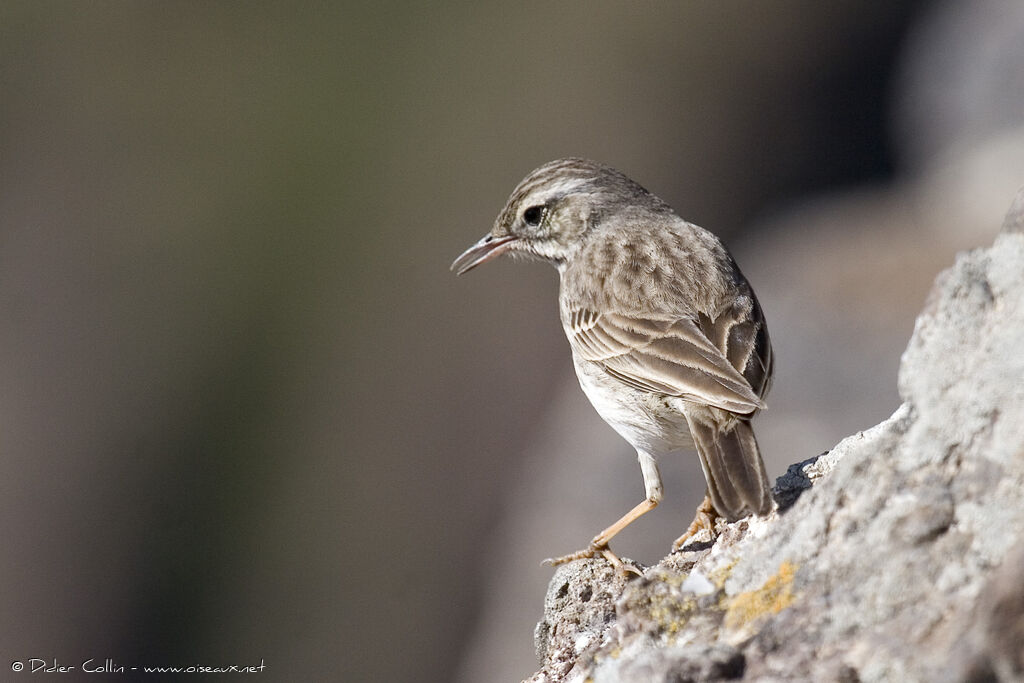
(737,482)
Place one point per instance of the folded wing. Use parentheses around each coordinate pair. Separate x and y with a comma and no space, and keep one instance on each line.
(667,356)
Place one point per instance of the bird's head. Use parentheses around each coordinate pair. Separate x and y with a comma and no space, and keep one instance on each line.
(553,210)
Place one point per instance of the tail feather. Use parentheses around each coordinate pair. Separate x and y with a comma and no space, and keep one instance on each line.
(737,482)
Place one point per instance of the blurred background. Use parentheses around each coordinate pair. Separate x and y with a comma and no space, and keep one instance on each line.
(246,412)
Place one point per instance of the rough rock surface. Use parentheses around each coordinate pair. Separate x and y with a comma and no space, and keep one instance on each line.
(892,556)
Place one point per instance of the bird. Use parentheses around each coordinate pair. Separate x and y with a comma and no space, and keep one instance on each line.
(668,340)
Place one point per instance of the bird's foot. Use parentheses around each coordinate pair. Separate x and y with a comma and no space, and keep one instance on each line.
(593,550)
(703,521)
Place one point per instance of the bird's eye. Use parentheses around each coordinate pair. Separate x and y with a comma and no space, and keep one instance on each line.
(533,215)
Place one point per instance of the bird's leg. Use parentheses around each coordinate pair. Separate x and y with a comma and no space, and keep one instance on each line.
(704,519)
(599,545)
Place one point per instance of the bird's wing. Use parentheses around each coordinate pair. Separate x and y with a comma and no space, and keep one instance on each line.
(667,356)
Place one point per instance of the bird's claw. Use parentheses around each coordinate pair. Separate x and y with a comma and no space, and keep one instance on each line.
(703,521)
(590,551)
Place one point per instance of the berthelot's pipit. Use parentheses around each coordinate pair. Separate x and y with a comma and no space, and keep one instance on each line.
(667,337)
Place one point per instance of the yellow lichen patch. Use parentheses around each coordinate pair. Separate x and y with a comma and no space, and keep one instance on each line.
(671,615)
(661,603)
(721,575)
(774,596)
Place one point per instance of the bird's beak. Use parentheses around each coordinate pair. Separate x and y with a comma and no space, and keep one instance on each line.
(484,250)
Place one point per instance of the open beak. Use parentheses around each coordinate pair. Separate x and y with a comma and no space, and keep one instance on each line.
(484,250)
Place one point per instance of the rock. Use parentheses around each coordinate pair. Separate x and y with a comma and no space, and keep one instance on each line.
(579,604)
(1014,221)
(890,555)
(993,648)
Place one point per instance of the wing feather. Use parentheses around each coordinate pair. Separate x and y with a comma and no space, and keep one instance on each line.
(670,356)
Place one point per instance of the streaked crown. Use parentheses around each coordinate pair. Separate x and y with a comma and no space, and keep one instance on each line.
(555,207)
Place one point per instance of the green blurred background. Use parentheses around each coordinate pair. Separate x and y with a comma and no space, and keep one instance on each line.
(246,413)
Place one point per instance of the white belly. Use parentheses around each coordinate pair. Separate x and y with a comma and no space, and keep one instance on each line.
(651,423)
